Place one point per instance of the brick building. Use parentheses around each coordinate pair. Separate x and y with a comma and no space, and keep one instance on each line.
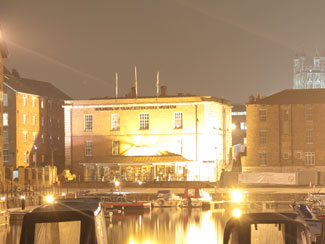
(33,123)
(285,131)
(148,138)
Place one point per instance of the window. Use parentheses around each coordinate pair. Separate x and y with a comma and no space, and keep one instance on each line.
(285,155)
(25,136)
(243,125)
(34,101)
(262,115)
(308,114)
(144,121)
(309,158)
(34,120)
(59,123)
(309,136)
(42,120)
(262,158)
(88,148)
(5,119)
(285,115)
(298,155)
(43,158)
(178,120)
(88,122)
(25,157)
(5,100)
(24,101)
(50,121)
(42,139)
(24,118)
(5,137)
(42,103)
(34,136)
(58,138)
(49,103)
(5,156)
(263,137)
(116,148)
(115,122)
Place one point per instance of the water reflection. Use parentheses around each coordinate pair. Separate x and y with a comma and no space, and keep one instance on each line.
(161,225)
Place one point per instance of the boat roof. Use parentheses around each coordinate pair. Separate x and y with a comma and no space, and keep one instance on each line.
(70,205)
(163,191)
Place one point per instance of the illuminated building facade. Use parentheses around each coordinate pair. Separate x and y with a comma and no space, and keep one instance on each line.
(33,120)
(308,75)
(147,139)
(285,132)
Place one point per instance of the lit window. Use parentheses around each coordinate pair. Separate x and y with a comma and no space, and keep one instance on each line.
(178,120)
(243,125)
(42,120)
(115,122)
(34,101)
(43,158)
(262,115)
(5,100)
(88,148)
(5,137)
(24,101)
(309,136)
(42,138)
(5,119)
(88,122)
(34,136)
(144,121)
(262,158)
(25,136)
(5,156)
(50,121)
(24,118)
(308,114)
(116,148)
(309,158)
(34,120)
(42,103)
(263,135)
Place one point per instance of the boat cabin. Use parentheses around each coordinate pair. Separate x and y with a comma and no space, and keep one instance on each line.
(65,221)
(266,228)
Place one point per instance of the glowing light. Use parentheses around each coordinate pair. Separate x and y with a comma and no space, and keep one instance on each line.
(64,194)
(237,196)
(3,198)
(142,151)
(233,126)
(205,196)
(22,197)
(140,182)
(236,213)
(49,199)
(116,183)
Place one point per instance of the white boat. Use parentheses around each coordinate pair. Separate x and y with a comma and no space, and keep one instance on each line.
(195,198)
(165,198)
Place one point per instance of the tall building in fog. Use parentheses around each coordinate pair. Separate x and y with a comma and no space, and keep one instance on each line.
(309,73)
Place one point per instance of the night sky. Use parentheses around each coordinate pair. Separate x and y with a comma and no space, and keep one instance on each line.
(227,48)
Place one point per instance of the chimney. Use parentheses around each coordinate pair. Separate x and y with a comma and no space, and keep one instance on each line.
(163,91)
(251,98)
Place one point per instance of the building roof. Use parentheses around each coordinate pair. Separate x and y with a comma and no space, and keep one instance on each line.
(40,88)
(294,96)
(137,160)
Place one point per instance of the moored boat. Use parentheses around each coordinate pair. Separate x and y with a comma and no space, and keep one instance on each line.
(197,199)
(165,198)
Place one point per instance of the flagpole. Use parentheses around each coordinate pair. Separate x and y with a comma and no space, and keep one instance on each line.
(136,81)
(116,85)
(157,84)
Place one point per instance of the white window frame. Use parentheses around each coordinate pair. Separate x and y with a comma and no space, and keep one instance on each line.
(24,101)
(42,139)
(34,136)
(144,121)
(5,137)
(88,148)
(308,114)
(298,153)
(115,147)
(262,158)
(33,102)
(25,157)
(310,158)
(178,120)
(5,155)
(243,125)
(43,158)
(309,136)
(42,120)
(25,136)
(5,120)
(24,119)
(5,99)
(115,122)
(262,115)
(34,119)
(42,103)
(88,122)
(262,137)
